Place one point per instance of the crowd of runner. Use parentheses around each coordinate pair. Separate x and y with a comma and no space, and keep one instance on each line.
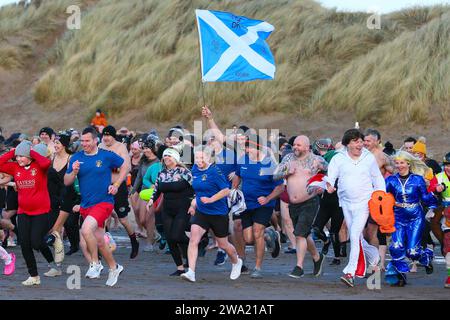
(227,190)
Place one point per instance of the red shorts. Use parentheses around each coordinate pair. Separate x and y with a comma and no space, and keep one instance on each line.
(100,212)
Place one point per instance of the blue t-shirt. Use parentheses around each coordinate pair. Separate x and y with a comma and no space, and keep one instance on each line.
(257,180)
(207,183)
(95,175)
(226,161)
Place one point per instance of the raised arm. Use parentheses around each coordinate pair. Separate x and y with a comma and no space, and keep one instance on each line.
(43,162)
(206,113)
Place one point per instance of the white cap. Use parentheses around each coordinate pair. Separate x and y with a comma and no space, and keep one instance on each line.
(172,153)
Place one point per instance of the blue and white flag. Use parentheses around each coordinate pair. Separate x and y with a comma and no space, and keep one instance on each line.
(233,48)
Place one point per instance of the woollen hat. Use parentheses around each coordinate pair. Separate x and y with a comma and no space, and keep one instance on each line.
(172,153)
(23,149)
(419,146)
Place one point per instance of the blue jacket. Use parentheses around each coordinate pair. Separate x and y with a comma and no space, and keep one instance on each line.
(414,193)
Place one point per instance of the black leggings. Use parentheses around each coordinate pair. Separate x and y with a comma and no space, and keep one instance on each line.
(329,209)
(72,226)
(175,219)
(32,230)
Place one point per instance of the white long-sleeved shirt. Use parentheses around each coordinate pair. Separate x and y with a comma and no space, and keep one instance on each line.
(358,179)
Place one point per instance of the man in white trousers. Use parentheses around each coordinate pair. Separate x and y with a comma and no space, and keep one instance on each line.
(358,177)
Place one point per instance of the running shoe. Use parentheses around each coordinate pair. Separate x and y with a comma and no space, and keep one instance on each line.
(94,271)
(10,267)
(113,275)
(12,242)
(162,244)
(318,265)
(134,248)
(189,276)
(244,269)
(297,273)
(325,247)
(202,247)
(72,251)
(283,238)
(273,243)
(256,274)
(53,272)
(5,239)
(32,281)
(177,273)
(429,269)
(335,262)
(290,251)
(220,258)
(50,239)
(447,283)
(348,280)
(236,269)
(59,247)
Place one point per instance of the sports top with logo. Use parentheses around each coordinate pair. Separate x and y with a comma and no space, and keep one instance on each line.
(95,175)
(207,183)
(257,180)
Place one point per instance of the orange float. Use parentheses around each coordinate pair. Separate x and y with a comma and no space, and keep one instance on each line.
(381,207)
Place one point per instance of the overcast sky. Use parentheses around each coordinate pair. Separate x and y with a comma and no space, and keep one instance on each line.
(383,6)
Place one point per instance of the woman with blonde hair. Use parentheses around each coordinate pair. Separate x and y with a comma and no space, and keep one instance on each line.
(409,190)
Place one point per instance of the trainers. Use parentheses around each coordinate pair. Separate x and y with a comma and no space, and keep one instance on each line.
(273,243)
(244,269)
(148,248)
(256,274)
(113,275)
(53,272)
(94,271)
(10,267)
(72,251)
(325,247)
(162,244)
(429,269)
(236,269)
(134,248)
(11,243)
(447,283)
(177,273)
(290,251)
(348,280)
(297,273)
(189,276)
(335,262)
(5,239)
(318,265)
(220,258)
(32,281)
(59,247)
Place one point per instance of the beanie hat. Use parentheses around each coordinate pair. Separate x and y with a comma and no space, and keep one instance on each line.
(47,130)
(420,146)
(64,140)
(23,149)
(172,153)
(42,149)
(109,131)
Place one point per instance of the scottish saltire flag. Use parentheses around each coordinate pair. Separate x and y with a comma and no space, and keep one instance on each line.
(233,48)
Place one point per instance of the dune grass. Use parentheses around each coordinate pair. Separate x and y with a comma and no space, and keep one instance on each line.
(143,55)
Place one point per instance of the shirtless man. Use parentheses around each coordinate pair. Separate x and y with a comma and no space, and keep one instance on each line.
(297,168)
(121,205)
(372,140)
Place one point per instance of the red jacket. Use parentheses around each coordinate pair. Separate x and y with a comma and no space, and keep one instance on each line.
(31,183)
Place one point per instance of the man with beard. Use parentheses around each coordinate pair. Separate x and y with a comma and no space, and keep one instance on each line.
(297,168)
